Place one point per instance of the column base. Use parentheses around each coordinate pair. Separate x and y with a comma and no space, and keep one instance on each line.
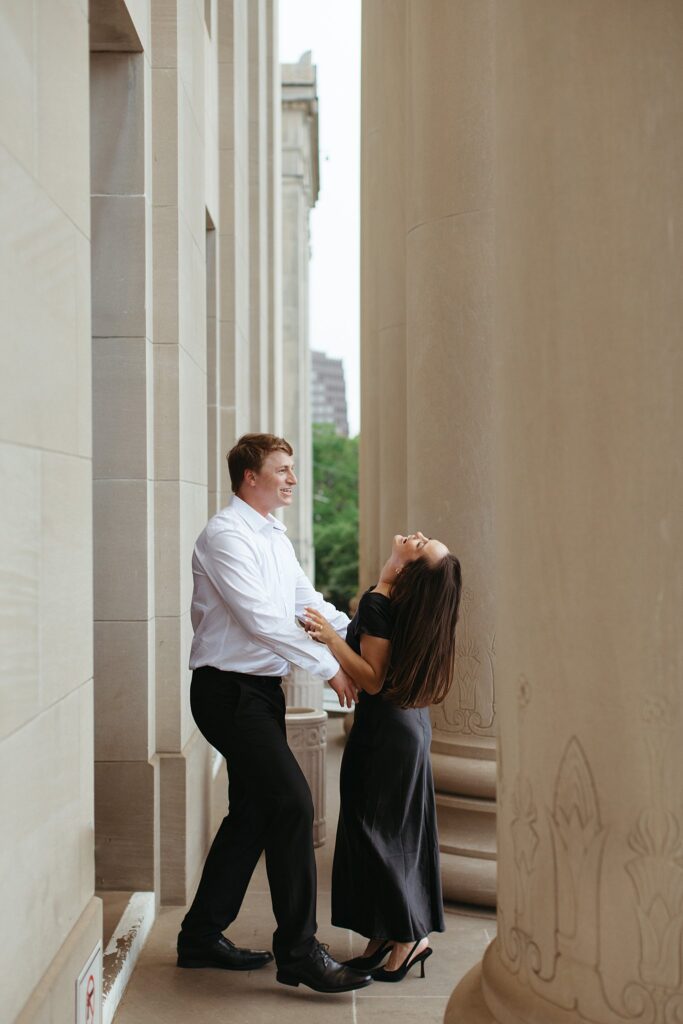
(468,879)
(465,782)
(467,1004)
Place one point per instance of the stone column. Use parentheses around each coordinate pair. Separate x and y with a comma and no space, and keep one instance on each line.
(426,322)
(300,185)
(449,273)
(389,149)
(589,537)
(275,397)
(233,229)
(259,195)
(369,476)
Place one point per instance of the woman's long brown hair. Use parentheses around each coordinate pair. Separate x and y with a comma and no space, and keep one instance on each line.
(425,599)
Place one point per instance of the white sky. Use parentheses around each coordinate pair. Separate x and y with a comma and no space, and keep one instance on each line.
(331,30)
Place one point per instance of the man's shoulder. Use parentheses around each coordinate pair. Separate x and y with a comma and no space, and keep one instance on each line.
(225,521)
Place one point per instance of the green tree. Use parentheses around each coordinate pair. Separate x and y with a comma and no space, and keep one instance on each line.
(335,514)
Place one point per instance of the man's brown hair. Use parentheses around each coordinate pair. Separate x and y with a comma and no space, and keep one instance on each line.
(250,452)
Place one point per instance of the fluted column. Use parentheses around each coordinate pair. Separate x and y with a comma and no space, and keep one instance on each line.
(300,186)
(449,275)
(389,143)
(383,275)
(274,420)
(370,186)
(426,327)
(589,535)
(259,214)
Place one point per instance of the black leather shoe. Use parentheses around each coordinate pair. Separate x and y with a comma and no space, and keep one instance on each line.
(322,973)
(221,953)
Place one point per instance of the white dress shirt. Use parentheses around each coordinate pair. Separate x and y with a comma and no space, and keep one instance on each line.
(248,588)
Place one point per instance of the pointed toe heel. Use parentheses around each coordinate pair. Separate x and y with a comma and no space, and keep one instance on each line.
(381,974)
(369,963)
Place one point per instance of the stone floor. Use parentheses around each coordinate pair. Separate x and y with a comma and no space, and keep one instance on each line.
(159,993)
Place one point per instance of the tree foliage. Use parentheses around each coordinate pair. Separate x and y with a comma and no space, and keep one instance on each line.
(335,514)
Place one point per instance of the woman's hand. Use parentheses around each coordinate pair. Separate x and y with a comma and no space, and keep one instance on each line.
(318,627)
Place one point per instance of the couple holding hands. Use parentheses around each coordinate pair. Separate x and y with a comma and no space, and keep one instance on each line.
(394,659)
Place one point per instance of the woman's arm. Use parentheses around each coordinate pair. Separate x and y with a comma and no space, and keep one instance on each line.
(367,671)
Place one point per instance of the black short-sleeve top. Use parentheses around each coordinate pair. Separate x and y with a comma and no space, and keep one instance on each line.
(374,617)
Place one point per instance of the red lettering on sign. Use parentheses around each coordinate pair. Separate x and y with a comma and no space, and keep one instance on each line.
(90,1000)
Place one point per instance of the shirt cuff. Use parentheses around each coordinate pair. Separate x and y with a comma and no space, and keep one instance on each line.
(329,666)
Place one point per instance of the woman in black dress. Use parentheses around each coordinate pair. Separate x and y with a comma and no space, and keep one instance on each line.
(399,650)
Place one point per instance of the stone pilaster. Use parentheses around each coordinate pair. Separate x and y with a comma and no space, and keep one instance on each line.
(180,199)
(126,774)
(589,538)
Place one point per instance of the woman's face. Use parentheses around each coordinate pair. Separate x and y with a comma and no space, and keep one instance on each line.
(415,545)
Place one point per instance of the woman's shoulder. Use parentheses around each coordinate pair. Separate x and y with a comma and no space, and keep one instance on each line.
(375,613)
(372,601)
(372,596)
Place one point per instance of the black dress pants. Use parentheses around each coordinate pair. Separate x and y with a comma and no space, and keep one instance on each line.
(270,809)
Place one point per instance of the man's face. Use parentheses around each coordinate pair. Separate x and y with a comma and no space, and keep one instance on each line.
(273,486)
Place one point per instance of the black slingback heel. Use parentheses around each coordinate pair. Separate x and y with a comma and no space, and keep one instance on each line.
(381,974)
(368,963)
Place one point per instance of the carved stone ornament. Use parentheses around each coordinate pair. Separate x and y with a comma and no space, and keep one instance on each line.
(470,708)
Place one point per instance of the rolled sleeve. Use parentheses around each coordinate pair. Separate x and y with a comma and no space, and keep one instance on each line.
(231,564)
(308,597)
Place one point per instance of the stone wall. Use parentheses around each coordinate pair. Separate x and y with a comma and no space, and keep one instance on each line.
(46,679)
(141,333)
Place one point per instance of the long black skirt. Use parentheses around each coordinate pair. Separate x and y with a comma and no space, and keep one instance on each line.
(386,881)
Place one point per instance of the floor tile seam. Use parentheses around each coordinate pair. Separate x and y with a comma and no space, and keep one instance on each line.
(363,994)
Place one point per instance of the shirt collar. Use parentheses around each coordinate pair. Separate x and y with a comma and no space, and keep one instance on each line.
(254,519)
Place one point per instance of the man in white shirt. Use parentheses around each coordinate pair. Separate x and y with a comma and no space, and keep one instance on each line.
(248,590)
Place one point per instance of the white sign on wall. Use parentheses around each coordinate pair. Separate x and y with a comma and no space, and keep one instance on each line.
(89,990)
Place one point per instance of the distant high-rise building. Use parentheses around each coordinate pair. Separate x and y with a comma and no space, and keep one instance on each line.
(328,392)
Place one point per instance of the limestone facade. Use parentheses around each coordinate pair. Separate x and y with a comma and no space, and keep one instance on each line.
(538,214)
(141,252)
